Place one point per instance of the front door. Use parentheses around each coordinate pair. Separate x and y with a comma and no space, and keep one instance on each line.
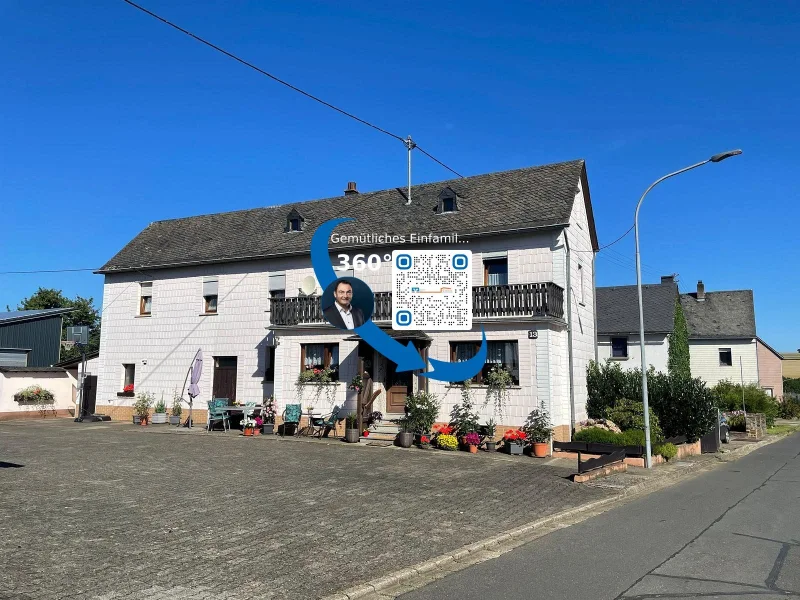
(398,386)
(225,377)
(89,400)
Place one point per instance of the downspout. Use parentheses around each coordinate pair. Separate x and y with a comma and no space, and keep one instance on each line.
(569,337)
(594,306)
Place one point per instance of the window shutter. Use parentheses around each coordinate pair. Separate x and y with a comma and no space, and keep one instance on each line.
(277,281)
(494,255)
(210,286)
(146,288)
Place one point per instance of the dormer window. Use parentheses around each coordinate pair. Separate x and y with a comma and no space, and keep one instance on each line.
(448,202)
(294,222)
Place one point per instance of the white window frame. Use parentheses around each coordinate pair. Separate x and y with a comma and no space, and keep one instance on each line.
(144,286)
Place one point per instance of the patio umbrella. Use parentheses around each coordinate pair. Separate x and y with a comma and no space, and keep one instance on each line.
(194,390)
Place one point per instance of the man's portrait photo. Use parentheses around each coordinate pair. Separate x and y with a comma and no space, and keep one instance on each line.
(347,303)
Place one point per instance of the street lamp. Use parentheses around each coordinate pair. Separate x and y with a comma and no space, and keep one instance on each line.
(715,159)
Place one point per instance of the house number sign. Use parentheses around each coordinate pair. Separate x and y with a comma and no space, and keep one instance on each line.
(532,334)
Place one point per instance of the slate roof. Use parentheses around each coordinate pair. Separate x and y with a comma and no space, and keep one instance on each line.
(74,362)
(618,309)
(721,315)
(27,315)
(534,197)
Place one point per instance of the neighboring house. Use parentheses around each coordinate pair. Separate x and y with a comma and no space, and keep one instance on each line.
(54,379)
(791,364)
(229,284)
(618,323)
(722,335)
(770,369)
(31,338)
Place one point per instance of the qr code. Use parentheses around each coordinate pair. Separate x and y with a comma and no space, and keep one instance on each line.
(432,289)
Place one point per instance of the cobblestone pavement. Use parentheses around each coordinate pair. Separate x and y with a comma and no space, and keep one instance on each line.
(103,511)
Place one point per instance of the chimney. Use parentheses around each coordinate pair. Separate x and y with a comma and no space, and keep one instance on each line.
(701,291)
(665,279)
(351,188)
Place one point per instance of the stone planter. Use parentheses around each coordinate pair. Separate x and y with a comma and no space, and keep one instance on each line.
(158,418)
(512,448)
(175,420)
(405,439)
(491,446)
(268,428)
(351,436)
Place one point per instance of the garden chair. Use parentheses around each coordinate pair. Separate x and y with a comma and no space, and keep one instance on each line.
(217,414)
(322,425)
(291,416)
(248,413)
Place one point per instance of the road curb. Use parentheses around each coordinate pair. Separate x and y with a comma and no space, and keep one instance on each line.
(502,542)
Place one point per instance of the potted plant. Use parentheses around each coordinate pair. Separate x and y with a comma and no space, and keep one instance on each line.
(141,408)
(351,433)
(268,413)
(249,427)
(498,380)
(405,438)
(513,441)
(177,409)
(489,428)
(160,412)
(447,442)
(538,430)
(472,440)
(422,409)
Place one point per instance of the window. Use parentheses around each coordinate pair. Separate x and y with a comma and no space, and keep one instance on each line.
(500,354)
(495,271)
(582,284)
(277,285)
(619,347)
(269,364)
(146,298)
(725,357)
(448,202)
(294,221)
(129,374)
(277,294)
(769,392)
(210,295)
(320,356)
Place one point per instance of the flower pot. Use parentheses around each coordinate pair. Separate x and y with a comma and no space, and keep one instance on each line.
(512,448)
(351,436)
(540,449)
(159,418)
(143,421)
(268,428)
(473,448)
(175,420)
(248,431)
(405,439)
(256,431)
(491,446)
(137,419)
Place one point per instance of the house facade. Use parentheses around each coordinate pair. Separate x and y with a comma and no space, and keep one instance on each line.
(31,338)
(722,335)
(618,323)
(791,364)
(234,285)
(770,369)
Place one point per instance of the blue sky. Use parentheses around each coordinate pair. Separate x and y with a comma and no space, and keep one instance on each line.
(111,120)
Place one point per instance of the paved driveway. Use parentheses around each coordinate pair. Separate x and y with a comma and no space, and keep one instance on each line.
(117,511)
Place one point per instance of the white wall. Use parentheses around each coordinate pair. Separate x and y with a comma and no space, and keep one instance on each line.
(704,357)
(60,383)
(656,351)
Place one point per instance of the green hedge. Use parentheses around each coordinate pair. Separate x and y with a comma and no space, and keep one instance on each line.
(728,397)
(597,435)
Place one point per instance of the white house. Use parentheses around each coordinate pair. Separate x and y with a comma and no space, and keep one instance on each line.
(722,335)
(618,323)
(229,284)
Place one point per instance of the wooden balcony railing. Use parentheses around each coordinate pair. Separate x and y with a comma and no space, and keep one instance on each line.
(518,300)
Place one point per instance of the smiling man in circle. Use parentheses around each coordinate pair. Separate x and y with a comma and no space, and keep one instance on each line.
(342,313)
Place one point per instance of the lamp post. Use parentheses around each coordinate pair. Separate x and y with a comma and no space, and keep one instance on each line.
(715,159)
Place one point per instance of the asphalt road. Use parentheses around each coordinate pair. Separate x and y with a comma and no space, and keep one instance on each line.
(733,533)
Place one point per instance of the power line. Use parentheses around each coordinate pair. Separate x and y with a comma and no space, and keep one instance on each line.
(44,271)
(283,82)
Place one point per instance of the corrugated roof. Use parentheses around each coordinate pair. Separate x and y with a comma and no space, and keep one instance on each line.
(26,315)
(618,308)
(728,314)
(534,197)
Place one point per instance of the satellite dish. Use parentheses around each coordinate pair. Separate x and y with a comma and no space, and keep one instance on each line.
(308,285)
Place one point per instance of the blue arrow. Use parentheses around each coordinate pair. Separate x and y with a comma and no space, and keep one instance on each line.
(459,371)
(405,357)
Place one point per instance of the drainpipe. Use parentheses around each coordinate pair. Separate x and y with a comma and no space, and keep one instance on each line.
(594,305)
(569,337)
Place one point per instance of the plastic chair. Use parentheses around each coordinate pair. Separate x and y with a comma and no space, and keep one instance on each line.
(323,425)
(216,414)
(291,416)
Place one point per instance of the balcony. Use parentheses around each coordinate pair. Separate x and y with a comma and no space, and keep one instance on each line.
(488,301)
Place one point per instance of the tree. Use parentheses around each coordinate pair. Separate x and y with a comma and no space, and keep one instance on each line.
(678,363)
(84,314)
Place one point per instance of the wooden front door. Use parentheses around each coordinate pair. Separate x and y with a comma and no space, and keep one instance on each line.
(398,386)
(225,377)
